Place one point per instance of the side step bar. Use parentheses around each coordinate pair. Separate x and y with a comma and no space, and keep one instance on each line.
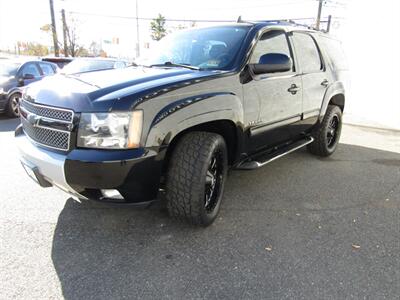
(263,159)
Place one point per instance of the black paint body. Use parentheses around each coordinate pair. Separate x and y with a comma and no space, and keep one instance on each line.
(255,112)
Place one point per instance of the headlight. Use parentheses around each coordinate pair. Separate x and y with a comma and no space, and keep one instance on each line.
(118,130)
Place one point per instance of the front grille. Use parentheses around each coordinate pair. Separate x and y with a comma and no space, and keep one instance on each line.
(48,112)
(31,117)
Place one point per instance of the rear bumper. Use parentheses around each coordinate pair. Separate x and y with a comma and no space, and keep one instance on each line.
(84,173)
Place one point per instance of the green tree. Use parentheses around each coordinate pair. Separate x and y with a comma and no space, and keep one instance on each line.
(34,49)
(157,27)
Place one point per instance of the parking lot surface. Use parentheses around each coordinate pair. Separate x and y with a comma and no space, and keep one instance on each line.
(301,227)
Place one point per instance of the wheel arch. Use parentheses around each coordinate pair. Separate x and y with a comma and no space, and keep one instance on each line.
(335,95)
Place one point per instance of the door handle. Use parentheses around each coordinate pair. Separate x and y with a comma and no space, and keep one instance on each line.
(325,83)
(293,89)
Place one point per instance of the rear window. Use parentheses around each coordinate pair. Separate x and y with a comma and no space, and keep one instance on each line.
(335,52)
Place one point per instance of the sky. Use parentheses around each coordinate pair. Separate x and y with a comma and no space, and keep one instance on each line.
(369,31)
(32,14)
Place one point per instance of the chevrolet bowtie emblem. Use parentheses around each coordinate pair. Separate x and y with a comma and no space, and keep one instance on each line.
(33,119)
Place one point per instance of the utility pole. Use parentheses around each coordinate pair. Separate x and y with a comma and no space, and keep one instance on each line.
(65,28)
(53,29)
(137,31)
(318,22)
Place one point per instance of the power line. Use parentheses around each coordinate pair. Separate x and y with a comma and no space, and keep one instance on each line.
(175,20)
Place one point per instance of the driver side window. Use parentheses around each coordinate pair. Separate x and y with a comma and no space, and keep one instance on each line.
(30,69)
(274,41)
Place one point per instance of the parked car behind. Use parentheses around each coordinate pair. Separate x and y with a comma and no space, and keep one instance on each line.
(15,74)
(61,62)
(81,65)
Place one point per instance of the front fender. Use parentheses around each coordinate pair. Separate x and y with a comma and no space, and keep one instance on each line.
(195,110)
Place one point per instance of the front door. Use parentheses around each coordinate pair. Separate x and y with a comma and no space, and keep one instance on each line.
(272,102)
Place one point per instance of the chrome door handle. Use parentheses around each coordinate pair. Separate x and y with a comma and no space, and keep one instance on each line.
(293,89)
(325,83)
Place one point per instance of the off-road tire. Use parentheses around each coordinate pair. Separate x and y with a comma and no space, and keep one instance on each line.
(321,145)
(186,183)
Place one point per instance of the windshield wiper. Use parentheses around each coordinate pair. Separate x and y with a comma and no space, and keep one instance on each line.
(171,64)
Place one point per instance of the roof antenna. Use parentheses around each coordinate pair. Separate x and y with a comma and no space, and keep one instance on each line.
(239,20)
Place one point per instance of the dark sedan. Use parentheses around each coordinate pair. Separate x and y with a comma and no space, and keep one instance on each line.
(81,65)
(15,74)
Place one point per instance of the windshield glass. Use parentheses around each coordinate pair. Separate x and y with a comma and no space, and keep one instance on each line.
(206,48)
(87,65)
(8,68)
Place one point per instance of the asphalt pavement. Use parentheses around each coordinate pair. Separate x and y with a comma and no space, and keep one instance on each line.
(300,228)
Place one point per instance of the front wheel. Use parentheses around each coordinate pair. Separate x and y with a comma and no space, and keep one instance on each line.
(326,135)
(196,177)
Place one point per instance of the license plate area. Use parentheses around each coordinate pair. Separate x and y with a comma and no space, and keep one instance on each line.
(33,172)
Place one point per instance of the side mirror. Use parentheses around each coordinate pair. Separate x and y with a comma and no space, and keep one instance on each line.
(28,76)
(272,63)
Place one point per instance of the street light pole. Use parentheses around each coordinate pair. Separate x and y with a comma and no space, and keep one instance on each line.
(137,31)
(53,29)
(318,22)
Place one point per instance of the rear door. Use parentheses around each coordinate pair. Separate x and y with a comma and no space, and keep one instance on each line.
(273,102)
(315,79)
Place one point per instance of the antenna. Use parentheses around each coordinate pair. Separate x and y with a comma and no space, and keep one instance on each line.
(239,20)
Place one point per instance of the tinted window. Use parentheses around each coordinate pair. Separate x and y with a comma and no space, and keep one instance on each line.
(47,69)
(335,52)
(271,42)
(307,53)
(30,68)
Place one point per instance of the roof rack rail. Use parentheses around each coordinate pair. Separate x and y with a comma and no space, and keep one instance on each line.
(291,22)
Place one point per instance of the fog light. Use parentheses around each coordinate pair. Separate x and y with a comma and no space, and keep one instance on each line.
(112,194)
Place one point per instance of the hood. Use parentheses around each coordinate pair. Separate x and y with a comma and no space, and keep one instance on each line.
(5,79)
(100,91)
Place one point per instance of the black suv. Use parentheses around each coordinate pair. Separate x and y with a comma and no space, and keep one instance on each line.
(205,100)
(15,74)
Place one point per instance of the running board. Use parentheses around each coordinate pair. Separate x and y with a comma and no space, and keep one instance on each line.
(263,159)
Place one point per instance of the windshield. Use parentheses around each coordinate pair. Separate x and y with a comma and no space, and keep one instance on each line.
(206,48)
(87,65)
(8,68)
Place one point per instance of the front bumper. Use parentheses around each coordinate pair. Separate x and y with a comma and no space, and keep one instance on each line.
(84,173)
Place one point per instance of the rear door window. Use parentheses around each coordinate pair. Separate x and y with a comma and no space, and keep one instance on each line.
(307,53)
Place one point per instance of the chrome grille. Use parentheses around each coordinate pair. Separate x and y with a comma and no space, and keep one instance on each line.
(48,112)
(46,136)
(32,116)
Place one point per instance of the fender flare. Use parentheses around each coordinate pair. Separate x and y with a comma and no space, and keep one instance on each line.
(333,90)
(192,111)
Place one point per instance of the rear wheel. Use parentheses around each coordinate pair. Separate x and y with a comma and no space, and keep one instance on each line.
(196,177)
(327,134)
(13,105)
